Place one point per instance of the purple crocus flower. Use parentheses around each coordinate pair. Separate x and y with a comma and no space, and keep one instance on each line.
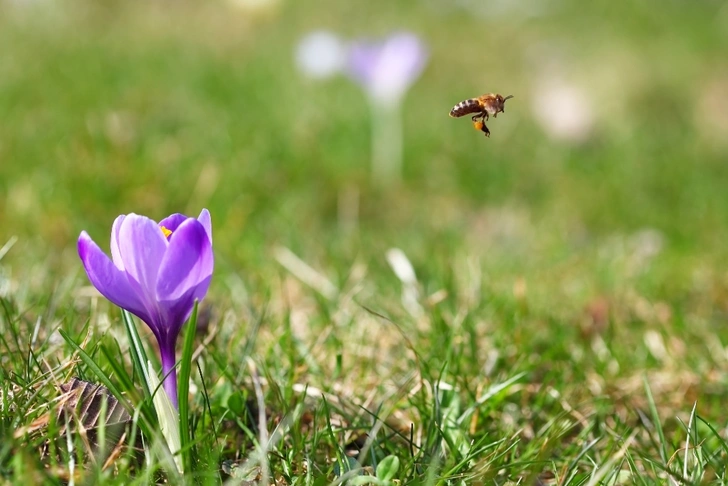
(387,69)
(156,272)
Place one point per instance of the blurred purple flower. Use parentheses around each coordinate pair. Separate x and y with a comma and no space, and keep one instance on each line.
(387,69)
(156,272)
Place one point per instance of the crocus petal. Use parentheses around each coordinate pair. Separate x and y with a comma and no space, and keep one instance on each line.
(111,282)
(115,254)
(172,221)
(187,262)
(206,221)
(184,275)
(142,246)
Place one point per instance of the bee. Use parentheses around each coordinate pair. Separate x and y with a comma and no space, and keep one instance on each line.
(483,106)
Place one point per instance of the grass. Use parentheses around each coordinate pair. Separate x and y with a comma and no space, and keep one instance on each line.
(568,321)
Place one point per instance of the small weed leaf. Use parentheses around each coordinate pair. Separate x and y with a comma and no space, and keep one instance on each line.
(388,468)
(248,474)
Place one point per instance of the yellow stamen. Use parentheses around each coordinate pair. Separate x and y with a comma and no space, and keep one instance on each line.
(165,231)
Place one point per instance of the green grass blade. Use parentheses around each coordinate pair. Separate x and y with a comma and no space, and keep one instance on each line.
(88,361)
(138,355)
(119,371)
(690,431)
(662,446)
(183,384)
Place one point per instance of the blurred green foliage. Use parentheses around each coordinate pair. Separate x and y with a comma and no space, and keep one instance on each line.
(153,108)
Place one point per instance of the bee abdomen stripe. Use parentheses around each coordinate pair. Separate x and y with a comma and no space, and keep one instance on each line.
(465,107)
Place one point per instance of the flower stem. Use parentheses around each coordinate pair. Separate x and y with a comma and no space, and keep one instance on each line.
(169,373)
(386,141)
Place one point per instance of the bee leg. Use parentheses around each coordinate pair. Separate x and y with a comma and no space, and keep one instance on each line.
(479,124)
